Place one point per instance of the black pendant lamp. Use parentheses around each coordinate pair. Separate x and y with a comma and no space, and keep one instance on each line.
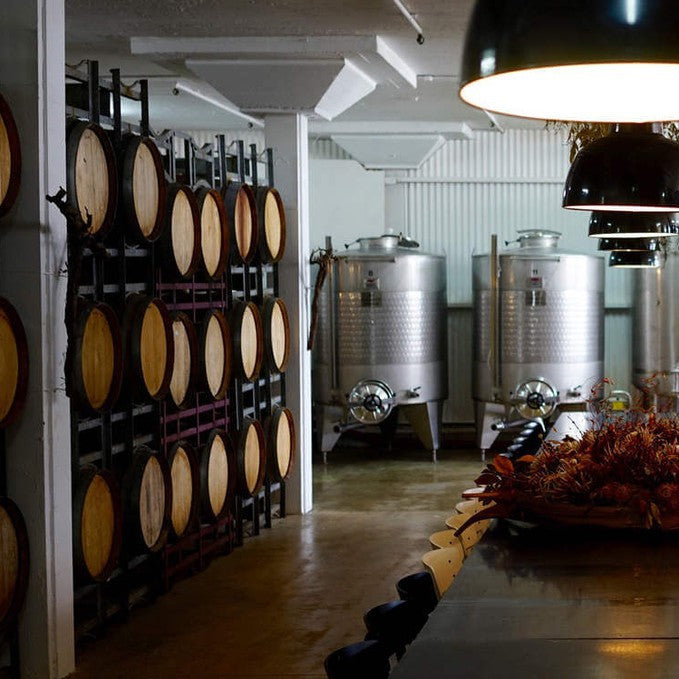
(633,169)
(636,260)
(633,224)
(579,60)
(629,245)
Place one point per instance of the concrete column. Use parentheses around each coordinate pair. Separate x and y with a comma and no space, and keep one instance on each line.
(287,135)
(33,278)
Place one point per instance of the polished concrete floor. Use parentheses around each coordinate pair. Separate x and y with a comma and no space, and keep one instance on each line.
(278,605)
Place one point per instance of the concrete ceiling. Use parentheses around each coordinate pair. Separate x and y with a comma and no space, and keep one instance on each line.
(200,41)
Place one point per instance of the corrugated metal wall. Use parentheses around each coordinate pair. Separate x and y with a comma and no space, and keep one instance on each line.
(498,183)
(321,148)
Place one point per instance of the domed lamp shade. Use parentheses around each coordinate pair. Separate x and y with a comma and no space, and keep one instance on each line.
(633,169)
(579,60)
(629,245)
(633,225)
(636,260)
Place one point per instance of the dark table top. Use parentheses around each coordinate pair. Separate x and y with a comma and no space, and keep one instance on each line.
(572,603)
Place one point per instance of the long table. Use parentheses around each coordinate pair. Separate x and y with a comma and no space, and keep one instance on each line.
(572,604)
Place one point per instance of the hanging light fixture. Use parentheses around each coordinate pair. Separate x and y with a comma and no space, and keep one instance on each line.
(632,224)
(633,169)
(629,244)
(636,260)
(578,60)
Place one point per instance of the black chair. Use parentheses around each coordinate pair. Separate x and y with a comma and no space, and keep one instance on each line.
(420,588)
(395,624)
(364,660)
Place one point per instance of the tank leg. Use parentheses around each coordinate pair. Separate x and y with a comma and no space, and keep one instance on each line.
(434,457)
(327,418)
(425,419)
(486,414)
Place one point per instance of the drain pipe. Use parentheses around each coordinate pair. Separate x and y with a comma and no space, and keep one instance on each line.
(411,20)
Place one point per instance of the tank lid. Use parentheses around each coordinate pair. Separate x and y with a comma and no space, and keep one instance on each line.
(387,242)
(538,238)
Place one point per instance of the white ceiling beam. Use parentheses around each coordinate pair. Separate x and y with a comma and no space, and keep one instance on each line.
(394,60)
(350,86)
(379,60)
(390,151)
(446,129)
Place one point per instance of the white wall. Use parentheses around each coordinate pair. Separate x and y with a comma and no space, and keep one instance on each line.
(346,202)
(468,190)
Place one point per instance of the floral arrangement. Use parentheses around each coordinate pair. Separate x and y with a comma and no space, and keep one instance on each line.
(623,472)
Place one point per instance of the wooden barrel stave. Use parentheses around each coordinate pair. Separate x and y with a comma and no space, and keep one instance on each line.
(276,330)
(13,364)
(10,158)
(147,497)
(98,358)
(250,457)
(241,209)
(97,524)
(185,477)
(281,440)
(185,363)
(214,232)
(14,562)
(271,224)
(217,475)
(149,345)
(246,325)
(182,235)
(91,176)
(143,188)
(216,354)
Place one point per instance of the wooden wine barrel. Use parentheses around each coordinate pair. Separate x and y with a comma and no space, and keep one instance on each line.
(149,345)
(216,353)
(98,357)
(14,562)
(97,524)
(276,328)
(185,364)
(241,209)
(147,500)
(142,186)
(250,457)
(271,224)
(280,443)
(91,176)
(181,237)
(10,158)
(246,328)
(185,476)
(217,475)
(214,232)
(13,364)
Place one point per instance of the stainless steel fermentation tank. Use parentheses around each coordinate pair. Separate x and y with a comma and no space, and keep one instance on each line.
(381,340)
(655,347)
(538,331)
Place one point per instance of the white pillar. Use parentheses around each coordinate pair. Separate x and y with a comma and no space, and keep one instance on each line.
(287,135)
(32,265)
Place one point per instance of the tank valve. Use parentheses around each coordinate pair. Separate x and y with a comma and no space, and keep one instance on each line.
(414,392)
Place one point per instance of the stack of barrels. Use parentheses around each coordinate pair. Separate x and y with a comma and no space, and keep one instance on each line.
(151,350)
(14,555)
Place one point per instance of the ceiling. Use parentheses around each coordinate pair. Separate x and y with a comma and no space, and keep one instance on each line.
(295,50)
